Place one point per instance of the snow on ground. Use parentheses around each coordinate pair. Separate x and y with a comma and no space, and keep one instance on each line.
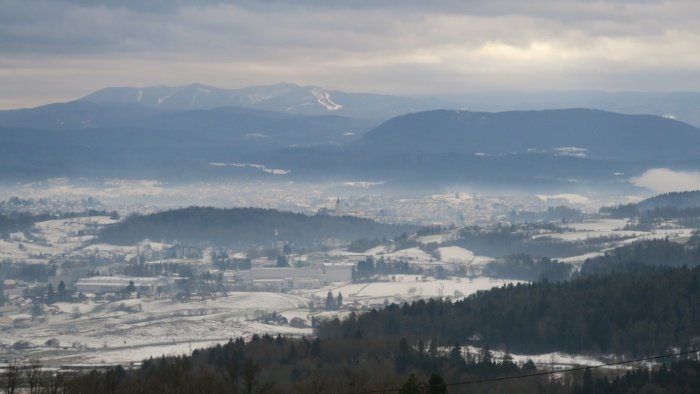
(51,238)
(455,254)
(438,238)
(107,248)
(130,330)
(410,287)
(482,260)
(64,231)
(550,361)
(580,258)
(681,234)
(599,225)
(24,250)
(128,355)
(381,249)
(583,235)
(410,254)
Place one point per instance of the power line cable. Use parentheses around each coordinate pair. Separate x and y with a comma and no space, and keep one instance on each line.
(503,378)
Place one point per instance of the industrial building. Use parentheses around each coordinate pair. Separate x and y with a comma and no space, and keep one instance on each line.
(290,278)
(116,284)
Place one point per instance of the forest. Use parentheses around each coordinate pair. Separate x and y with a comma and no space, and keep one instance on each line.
(506,240)
(675,205)
(524,267)
(354,364)
(243,227)
(421,347)
(630,313)
(636,256)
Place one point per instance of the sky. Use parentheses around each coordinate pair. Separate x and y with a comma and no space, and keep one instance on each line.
(58,50)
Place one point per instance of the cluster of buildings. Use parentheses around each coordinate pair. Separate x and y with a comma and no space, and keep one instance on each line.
(274,279)
(291,278)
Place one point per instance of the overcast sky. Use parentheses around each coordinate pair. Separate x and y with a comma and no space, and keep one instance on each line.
(52,50)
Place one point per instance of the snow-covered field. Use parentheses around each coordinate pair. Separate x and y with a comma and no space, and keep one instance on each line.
(52,238)
(414,254)
(406,287)
(131,330)
(552,361)
(455,254)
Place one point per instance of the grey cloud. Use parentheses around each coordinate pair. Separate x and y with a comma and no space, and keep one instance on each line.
(447,45)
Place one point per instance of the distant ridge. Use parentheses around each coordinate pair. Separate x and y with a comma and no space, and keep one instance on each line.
(678,200)
(284,97)
(574,132)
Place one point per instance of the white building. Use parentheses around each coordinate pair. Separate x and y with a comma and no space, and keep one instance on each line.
(338,272)
(115,284)
(288,278)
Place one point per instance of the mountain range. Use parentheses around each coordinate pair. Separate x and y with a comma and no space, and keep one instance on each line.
(285,98)
(195,132)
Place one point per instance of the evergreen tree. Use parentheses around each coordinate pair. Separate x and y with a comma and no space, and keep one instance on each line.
(436,385)
(412,386)
(61,290)
(50,294)
(131,288)
(456,351)
(330,301)
(282,261)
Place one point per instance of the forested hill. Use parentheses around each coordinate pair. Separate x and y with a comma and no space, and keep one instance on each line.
(595,134)
(633,313)
(641,255)
(243,227)
(679,200)
(667,205)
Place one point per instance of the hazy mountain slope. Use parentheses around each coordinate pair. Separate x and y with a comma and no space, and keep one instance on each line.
(74,115)
(683,106)
(244,226)
(680,200)
(88,139)
(601,135)
(511,149)
(287,98)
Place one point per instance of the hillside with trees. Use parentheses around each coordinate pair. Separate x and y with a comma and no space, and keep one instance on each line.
(418,348)
(244,227)
(633,313)
(644,255)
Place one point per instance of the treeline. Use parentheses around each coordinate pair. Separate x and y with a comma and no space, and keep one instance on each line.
(339,365)
(633,313)
(243,227)
(637,256)
(351,364)
(20,222)
(524,267)
(682,377)
(368,268)
(14,222)
(514,239)
(669,205)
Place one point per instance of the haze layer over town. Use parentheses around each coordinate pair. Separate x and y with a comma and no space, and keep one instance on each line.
(329,197)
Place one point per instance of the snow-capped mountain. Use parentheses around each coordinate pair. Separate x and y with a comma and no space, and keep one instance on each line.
(288,98)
